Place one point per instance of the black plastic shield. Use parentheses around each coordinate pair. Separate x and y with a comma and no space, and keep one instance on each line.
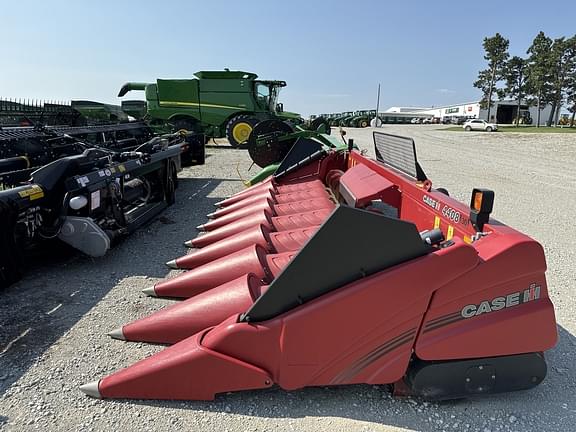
(303,151)
(350,245)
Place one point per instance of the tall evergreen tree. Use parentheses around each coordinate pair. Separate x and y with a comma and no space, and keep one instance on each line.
(538,74)
(571,95)
(515,76)
(496,54)
(563,61)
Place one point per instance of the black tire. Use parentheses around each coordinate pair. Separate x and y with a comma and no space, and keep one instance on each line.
(489,129)
(467,128)
(363,123)
(186,123)
(170,185)
(200,155)
(235,137)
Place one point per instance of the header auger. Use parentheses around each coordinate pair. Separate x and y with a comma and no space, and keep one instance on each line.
(340,269)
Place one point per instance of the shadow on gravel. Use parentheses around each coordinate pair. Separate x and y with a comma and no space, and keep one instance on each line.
(57,291)
(375,404)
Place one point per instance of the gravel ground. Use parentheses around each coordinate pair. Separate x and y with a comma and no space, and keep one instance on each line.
(54,322)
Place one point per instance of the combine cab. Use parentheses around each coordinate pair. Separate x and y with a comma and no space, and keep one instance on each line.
(341,269)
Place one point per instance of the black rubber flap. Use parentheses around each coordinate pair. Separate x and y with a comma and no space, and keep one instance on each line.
(351,244)
(303,150)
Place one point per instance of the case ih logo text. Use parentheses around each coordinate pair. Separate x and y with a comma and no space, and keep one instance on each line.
(431,202)
(499,303)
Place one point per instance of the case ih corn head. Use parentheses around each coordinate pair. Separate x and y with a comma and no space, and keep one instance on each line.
(88,197)
(341,269)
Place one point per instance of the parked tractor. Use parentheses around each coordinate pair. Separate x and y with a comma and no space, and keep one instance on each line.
(362,118)
(342,118)
(217,103)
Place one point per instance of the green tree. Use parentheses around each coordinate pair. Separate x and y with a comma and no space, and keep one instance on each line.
(515,77)
(496,54)
(538,75)
(571,95)
(562,64)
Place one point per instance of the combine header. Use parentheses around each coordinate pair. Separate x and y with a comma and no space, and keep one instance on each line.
(86,196)
(340,269)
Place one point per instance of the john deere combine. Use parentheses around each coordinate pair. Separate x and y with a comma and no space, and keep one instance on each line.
(338,270)
(216,103)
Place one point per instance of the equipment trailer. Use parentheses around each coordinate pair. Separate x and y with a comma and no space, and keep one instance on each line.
(340,269)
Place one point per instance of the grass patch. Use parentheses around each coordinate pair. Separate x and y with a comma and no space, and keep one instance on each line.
(521,129)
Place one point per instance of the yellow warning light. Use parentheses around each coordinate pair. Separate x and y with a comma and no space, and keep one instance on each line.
(477,201)
(481,205)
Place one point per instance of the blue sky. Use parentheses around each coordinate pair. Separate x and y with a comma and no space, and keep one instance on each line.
(332,54)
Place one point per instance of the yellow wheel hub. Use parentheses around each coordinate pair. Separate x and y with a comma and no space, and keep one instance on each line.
(241,132)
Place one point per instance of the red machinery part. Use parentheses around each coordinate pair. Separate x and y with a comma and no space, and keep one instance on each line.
(312,335)
(260,218)
(278,223)
(277,242)
(252,259)
(270,186)
(180,372)
(256,235)
(279,198)
(184,319)
(273,209)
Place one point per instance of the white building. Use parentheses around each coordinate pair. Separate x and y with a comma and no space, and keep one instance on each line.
(501,112)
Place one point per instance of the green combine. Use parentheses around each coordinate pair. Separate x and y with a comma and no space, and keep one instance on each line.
(217,103)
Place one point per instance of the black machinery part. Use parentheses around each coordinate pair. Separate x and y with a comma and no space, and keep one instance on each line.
(14,164)
(456,379)
(265,145)
(304,151)
(10,257)
(134,189)
(318,122)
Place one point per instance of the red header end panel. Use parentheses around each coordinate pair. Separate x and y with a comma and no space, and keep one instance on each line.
(500,308)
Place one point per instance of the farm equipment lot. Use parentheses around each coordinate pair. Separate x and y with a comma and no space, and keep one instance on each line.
(54,322)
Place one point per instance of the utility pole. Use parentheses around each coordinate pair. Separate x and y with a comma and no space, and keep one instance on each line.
(377,107)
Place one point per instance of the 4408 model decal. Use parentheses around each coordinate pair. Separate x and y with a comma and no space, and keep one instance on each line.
(448,212)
